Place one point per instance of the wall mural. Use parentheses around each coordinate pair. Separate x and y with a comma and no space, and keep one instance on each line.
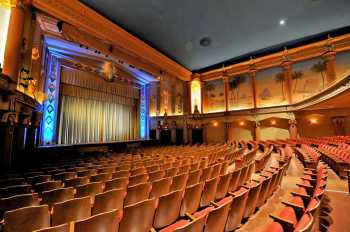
(178,98)
(270,87)
(342,65)
(308,78)
(240,92)
(214,96)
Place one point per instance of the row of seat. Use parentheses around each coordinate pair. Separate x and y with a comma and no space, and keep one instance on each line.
(301,211)
(307,155)
(79,208)
(227,213)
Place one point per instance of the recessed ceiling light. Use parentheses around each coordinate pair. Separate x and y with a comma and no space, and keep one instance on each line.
(282,22)
(205,41)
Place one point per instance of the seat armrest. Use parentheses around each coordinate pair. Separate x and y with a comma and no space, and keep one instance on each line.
(152,230)
(190,216)
(305,186)
(300,195)
(287,203)
(310,174)
(310,169)
(308,179)
(214,204)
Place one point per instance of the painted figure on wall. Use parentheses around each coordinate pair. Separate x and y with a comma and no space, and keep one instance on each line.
(179,103)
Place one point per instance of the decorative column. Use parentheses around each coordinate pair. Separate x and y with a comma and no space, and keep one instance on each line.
(226,93)
(287,74)
(173,132)
(329,59)
(293,130)
(257,134)
(185,133)
(158,128)
(6,143)
(205,132)
(252,74)
(226,126)
(14,40)
(189,133)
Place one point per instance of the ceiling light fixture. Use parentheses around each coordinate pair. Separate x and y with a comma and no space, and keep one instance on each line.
(282,22)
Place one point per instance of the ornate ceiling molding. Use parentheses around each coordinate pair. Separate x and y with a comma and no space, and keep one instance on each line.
(84,18)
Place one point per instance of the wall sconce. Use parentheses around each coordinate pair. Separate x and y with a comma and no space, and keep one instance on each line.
(273,122)
(313,121)
(215,124)
(241,123)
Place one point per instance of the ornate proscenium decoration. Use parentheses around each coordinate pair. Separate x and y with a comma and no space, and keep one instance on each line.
(109,71)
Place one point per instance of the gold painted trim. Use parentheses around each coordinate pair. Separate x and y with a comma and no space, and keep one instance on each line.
(79,15)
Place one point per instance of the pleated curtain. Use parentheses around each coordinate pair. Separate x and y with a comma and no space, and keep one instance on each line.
(87,121)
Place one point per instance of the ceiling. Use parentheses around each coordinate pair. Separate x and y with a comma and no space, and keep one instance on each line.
(235,27)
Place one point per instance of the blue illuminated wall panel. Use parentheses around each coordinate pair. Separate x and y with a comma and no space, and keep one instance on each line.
(49,124)
(144,107)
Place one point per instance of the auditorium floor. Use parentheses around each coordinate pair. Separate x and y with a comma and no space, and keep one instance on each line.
(336,190)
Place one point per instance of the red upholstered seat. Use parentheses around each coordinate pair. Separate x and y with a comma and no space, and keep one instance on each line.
(203,212)
(288,214)
(304,223)
(176,225)
(274,227)
(224,200)
(301,191)
(297,201)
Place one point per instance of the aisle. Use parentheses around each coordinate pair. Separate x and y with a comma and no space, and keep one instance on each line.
(340,202)
(261,219)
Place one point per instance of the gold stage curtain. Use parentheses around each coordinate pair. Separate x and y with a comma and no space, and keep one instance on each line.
(92,81)
(85,120)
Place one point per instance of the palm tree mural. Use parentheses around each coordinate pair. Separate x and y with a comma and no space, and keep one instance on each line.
(279,78)
(240,79)
(296,75)
(320,67)
(233,86)
(208,88)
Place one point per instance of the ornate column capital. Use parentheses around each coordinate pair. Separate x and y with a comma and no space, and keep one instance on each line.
(292,122)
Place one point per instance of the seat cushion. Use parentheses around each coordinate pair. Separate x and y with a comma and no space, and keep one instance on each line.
(203,212)
(303,223)
(176,225)
(274,227)
(288,214)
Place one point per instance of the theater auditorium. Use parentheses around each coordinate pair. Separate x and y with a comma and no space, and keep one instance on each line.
(174,116)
